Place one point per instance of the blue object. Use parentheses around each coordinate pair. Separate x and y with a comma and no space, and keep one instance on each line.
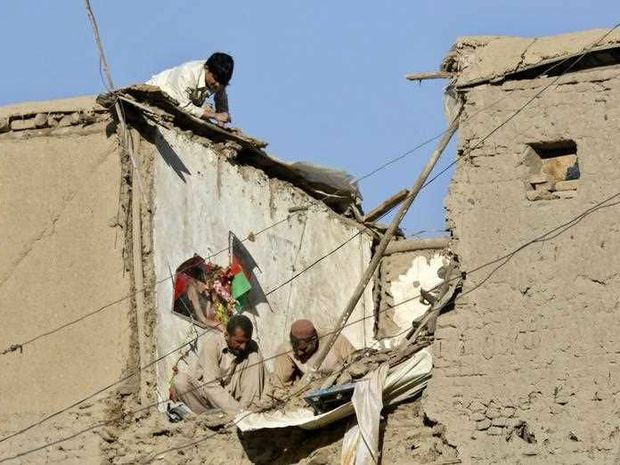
(324,400)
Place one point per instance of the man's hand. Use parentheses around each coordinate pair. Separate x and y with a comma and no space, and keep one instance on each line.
(220,118)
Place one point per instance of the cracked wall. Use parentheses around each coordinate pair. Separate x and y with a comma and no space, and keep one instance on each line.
(199,196)
(61,257)
(526,366)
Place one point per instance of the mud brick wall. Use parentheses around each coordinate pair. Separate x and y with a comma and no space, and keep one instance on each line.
(527,365)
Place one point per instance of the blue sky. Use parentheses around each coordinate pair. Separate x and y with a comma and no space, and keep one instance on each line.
(321,81)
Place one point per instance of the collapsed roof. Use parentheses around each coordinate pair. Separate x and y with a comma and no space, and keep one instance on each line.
(482,59)
(334,187)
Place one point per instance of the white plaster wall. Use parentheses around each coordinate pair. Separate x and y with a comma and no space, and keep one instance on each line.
(199,197)
(422,274)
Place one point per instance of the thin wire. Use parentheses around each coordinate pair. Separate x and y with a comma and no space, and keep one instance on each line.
(19,346)
(558,230)
(281,285)
(311,265)
(137,371)
(553,233)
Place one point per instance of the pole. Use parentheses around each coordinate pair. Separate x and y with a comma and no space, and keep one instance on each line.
(387,237)
(126,142)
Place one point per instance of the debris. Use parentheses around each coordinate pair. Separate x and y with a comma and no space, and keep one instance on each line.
(523,431)
(359,369)
(214,421)
(108,435)
(40,120)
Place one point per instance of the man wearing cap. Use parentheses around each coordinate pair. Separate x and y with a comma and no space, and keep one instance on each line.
(192,83)
(299,354)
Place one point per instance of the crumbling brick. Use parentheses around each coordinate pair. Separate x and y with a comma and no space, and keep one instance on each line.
(495,431)
(52,121)
(22,124)
(40,120)
(5,125)
(483,425)
(492,413)
(65,121)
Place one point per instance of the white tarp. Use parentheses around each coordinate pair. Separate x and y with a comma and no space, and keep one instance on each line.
(403,381)
(360,445)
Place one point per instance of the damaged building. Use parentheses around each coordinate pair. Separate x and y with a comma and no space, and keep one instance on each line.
(97,222)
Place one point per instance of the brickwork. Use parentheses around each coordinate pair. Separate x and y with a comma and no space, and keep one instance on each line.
(527,365)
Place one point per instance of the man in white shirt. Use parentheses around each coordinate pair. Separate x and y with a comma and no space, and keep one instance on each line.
(192,83)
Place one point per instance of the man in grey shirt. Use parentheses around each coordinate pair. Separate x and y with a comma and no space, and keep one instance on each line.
(192,83)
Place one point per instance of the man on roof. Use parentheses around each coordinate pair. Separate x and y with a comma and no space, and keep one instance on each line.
(299,354)
(192,83)
(227,374)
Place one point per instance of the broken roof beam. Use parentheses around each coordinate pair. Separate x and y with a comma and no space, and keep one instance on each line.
(431,75)
(385,206)
(409,245)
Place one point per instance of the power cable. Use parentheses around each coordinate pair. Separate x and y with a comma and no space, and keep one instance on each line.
(292,278)
(289,280)
(20,346)
(545,236)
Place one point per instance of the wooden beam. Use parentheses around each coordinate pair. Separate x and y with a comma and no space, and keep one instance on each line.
(380,250)
(416,244)
(426,76)
(386,206)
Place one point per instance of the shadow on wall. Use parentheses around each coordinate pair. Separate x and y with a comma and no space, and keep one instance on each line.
(171,158)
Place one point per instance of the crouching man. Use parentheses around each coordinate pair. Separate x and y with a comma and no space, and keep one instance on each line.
(193,83)
(228,373)
(301,351)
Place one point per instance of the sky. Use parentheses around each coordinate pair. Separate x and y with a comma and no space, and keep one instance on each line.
(320,81)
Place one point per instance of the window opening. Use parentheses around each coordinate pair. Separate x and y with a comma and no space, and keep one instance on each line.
(553,170)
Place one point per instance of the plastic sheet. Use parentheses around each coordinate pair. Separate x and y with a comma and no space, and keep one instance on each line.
(361,441)
(403,381)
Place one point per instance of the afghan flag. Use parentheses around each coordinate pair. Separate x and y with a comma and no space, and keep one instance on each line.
(242,267)
(240,285)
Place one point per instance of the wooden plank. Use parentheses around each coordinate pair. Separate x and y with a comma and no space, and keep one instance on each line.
(416,244)
(386,206)
(380,250)
(426,76)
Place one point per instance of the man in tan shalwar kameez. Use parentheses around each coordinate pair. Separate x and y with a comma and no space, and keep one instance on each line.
(228,373)
(301,351)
